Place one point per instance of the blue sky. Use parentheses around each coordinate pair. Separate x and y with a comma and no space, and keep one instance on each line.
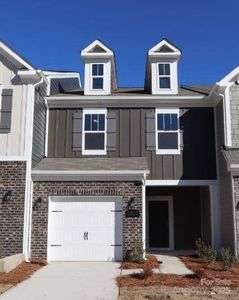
(51,33)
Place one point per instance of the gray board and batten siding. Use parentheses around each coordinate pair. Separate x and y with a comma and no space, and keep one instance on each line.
(39,125)
(196,161)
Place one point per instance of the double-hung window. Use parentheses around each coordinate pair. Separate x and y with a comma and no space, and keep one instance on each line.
(97,76)
(164,80)
(94,132)
(167,131)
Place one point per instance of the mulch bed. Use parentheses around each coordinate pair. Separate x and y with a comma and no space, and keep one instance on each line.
(211,272)
(151,262)
(21,272)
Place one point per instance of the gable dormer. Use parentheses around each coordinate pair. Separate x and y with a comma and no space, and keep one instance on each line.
(162,69)
(100,71)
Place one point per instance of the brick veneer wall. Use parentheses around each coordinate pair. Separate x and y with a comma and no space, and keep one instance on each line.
(236,197)
(132,227)
(12,178)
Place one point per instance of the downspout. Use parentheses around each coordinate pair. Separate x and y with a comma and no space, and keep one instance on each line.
(29,185)
(144,213)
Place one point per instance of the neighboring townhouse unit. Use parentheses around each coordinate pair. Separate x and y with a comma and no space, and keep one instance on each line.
(227,97)
(126,166)
(22,107)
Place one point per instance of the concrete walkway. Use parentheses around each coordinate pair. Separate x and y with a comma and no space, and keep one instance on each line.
(171,264)
(69,281)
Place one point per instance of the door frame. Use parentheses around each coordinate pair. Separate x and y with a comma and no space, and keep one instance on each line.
(171,221)
(84,199)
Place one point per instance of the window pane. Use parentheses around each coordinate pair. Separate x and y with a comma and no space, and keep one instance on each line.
(164,83)
(97,83)
(174,122)
(167,122)
(87,122)
(100,69)
(94,141)
(94,69)
(95,121)
(167,140)
(101,122)
(160,121)
(167,69)
(161,69)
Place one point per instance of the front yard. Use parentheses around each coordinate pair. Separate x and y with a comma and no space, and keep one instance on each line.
(209,281)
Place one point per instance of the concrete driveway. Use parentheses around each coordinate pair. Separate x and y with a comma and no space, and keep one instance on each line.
(69,280)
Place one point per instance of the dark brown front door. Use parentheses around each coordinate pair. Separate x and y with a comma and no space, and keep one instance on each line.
(158,222)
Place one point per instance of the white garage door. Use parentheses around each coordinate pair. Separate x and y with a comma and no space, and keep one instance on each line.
(85,229)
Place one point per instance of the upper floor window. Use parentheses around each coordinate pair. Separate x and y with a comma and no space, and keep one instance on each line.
(167,131)
(94,132)
(164,80)
(97,76)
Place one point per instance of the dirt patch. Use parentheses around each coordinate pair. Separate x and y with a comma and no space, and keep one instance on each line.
(151,262)
(166,293)
(20,273)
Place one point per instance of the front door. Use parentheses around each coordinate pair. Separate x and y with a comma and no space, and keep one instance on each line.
(160,224)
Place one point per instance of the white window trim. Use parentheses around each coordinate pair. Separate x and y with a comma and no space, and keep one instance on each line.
(97,76)
(93,111)
(166,111)
(164,76)
(1,88)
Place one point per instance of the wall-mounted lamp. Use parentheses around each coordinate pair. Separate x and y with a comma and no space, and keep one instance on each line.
(37,203)
(7,197)
(130,203)
(237,206)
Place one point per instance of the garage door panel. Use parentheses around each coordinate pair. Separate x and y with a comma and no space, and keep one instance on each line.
(89,230)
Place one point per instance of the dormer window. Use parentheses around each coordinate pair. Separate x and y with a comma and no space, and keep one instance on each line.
(162,69)
(164,76)
(97,76)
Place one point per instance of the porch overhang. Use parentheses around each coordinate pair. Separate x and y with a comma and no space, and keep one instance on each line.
(91,169)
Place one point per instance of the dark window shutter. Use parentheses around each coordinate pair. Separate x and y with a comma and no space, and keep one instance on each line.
(111,131)
(150,131)
(77,131)
(6,111)
(181,139)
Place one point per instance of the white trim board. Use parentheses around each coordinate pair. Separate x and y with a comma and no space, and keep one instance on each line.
(181,182)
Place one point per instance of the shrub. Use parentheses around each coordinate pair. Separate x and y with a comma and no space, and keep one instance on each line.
(146,273)
(227,258)
(205,251)
(200,248)
(138,253)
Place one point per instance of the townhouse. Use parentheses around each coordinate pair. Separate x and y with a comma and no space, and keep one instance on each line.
(105,169)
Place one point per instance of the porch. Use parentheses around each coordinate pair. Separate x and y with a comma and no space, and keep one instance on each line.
(176,216)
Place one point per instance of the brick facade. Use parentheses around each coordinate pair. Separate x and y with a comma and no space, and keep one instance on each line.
(234,106)
(12,178)
(236,197)
(132,227)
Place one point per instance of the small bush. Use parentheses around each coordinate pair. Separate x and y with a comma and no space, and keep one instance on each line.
(205,251)
(227,258)
(146,273)
(138,253)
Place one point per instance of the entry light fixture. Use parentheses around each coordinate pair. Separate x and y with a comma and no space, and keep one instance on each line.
(7,196)
(237,206)
(130,203)
(37,203)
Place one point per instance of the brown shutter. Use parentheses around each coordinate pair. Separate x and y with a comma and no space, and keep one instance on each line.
(150,131)
(6,111)
(77,131)
(111,132)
